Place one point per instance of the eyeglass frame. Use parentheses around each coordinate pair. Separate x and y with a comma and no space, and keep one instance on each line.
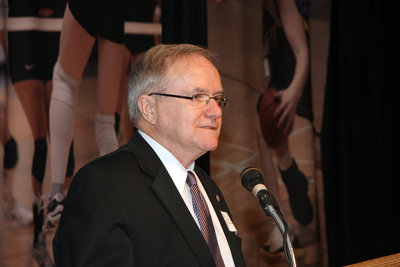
(223,102)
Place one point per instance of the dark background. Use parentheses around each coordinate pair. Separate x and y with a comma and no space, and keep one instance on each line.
(359,142)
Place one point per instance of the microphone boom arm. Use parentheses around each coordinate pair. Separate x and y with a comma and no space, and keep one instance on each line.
(275,213)
(252,180)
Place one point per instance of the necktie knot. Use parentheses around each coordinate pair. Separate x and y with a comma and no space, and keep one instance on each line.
(191,180)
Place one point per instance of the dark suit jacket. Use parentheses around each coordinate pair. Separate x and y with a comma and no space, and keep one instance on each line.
(123,209)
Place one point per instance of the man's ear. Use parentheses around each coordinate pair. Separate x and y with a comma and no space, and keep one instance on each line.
(147,108)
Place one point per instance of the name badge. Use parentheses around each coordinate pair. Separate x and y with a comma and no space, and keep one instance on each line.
(229,222)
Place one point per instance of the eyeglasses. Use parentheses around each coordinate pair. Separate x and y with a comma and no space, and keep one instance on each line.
(200,100)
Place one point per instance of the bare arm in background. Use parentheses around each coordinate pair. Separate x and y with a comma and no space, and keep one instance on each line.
(293,27)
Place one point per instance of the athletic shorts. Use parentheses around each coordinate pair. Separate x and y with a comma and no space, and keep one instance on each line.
(106,19)
(32,54)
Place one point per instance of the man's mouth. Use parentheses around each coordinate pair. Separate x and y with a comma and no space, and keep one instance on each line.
(209,127)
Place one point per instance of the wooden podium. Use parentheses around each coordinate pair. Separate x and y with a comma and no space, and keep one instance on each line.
(390,260)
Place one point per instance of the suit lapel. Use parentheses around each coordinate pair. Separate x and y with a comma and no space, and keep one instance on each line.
(219,205)
(164,188)
(173,202)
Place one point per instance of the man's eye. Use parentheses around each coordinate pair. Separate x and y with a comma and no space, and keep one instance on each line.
(200,97)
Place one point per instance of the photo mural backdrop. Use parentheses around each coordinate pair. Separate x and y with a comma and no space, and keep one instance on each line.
(247,36)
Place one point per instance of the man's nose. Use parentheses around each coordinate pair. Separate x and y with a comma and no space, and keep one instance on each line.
(213,109)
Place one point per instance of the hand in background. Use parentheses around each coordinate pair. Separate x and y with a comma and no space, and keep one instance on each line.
(287,109)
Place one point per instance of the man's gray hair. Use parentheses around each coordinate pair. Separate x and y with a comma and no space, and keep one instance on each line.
(149,73)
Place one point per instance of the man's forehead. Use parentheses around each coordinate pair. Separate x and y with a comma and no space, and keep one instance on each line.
(197,72)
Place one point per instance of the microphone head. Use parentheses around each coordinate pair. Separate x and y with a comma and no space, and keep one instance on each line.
(250,177)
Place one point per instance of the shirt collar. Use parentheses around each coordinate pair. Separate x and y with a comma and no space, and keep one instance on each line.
(174,168)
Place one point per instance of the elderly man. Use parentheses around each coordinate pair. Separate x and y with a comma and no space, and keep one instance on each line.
(147,204)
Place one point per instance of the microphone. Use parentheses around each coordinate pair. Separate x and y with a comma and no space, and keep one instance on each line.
(252,179)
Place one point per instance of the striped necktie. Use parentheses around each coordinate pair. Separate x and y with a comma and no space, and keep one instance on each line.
(204,219)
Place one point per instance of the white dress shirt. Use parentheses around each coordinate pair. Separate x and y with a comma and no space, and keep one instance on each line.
(178,174)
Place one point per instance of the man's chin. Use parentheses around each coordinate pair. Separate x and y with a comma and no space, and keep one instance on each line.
(207,144)
(211,146)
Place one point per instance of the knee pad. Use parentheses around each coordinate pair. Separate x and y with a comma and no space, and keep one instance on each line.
(65,88)
(39,159)
(71,161)
(10,154)
(105,133)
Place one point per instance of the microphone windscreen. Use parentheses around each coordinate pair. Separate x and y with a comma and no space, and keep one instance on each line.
(250,177)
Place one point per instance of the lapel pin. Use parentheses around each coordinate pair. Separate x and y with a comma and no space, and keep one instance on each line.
(217,197)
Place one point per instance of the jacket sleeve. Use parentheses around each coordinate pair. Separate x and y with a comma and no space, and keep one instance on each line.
(93,229)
